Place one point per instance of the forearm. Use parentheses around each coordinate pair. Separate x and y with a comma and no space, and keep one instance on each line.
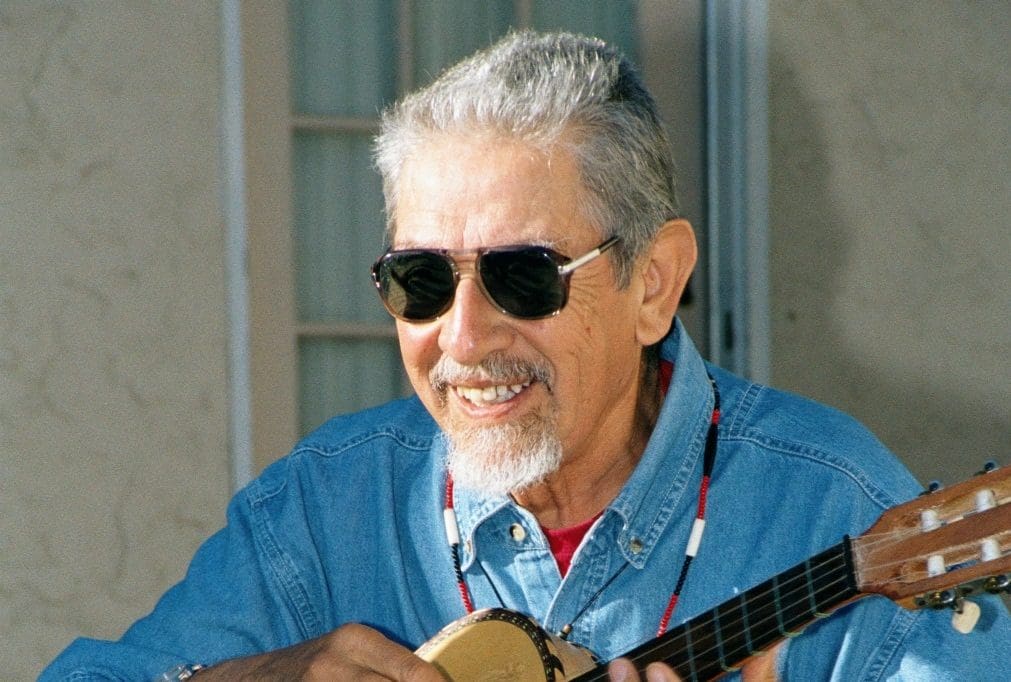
(351,652)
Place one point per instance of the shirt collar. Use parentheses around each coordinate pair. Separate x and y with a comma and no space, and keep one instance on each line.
(658,489)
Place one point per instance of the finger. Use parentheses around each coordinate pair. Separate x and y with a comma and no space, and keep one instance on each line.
(622,670)
(762,668)
(658,672)
(371,651)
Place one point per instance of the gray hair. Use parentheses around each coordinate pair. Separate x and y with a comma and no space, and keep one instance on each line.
(552,90)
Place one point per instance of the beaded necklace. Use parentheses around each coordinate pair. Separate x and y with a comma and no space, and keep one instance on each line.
(694,539)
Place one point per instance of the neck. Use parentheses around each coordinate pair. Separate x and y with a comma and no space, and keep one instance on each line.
(582,487)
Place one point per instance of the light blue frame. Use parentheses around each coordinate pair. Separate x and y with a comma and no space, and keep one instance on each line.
(737,155)
(737,202)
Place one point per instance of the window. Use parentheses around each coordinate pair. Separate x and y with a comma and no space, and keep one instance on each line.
(317,76)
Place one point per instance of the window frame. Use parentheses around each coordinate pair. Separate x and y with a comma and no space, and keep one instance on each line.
(731,281)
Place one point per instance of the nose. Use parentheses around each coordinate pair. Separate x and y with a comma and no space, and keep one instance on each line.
(473,328)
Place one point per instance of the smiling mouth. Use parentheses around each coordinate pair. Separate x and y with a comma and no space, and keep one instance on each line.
(490,395)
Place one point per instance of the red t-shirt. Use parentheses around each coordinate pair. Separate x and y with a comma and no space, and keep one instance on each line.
(564,541)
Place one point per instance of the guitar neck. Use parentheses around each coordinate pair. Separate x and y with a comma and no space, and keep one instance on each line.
(719,640)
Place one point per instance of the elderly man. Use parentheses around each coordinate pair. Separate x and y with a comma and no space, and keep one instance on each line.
(569,455)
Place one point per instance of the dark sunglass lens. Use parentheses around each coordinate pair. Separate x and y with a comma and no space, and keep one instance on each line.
(524,282)
(416,285)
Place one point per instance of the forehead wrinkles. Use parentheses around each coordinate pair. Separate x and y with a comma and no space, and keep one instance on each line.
(472,189)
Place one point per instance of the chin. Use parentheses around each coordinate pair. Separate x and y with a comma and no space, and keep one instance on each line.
(503,459)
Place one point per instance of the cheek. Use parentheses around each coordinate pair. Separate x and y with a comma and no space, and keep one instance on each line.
(603,319)
(419,350)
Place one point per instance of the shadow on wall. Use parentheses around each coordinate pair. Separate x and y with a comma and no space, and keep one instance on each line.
(840,328)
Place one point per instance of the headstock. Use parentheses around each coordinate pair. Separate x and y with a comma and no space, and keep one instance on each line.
(944,545)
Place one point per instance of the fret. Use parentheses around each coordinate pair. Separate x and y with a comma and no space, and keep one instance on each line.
(730,619)
(811,600)
(725,645)
(828,584)
(793,600)
(719,640)
(704,633)
(764,617)
(777,597)
(688,660)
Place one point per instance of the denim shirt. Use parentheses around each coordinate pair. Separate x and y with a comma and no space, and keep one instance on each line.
(349,528)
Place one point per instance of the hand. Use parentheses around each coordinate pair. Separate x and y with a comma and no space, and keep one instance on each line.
(761,668)
(351,652)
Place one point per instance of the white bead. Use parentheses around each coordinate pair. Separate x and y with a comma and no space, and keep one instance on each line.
(452,530)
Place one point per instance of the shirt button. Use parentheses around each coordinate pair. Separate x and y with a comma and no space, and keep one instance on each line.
(635,545)
(517,532)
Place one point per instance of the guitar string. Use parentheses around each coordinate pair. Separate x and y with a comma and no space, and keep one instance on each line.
(801,592)
(766,623)
(790,593)
(806,588)
(948,520)
(873,542)
(910,575)
(968,548)
(800,600)
(879,539)
(651,652)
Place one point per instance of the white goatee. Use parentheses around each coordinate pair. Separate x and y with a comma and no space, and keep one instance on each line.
(504,458)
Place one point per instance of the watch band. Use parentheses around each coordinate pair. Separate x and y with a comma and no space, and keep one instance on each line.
(180,673)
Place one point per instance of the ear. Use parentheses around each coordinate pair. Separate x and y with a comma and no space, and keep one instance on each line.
(664,272)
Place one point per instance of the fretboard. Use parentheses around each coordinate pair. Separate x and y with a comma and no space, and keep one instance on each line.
(718,641)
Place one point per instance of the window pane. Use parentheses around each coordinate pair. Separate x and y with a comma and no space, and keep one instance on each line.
(448,30)
(343,56)
(337,377)
(612,20)
(338,208)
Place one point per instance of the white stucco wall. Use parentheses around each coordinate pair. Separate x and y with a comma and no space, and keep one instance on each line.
(890,292)
(113,454)
(890,203)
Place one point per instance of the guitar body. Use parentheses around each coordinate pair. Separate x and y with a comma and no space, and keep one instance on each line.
(498,645)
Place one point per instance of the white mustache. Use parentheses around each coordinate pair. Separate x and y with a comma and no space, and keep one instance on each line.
(496,368)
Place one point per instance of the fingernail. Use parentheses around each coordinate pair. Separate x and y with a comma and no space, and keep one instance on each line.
(655,675)
(620,671)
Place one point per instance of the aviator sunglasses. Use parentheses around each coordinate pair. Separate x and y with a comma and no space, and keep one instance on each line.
(526,282)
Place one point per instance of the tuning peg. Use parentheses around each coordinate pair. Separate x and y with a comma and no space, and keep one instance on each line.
(932,487)
(966,616)
(942,599)
(988,466)
(997,584)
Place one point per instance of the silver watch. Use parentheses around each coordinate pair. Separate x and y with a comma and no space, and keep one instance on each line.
(180,673)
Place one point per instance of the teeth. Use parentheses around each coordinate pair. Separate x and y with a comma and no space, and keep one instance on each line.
(490,395)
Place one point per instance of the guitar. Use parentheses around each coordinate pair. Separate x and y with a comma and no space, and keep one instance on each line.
(930,552)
